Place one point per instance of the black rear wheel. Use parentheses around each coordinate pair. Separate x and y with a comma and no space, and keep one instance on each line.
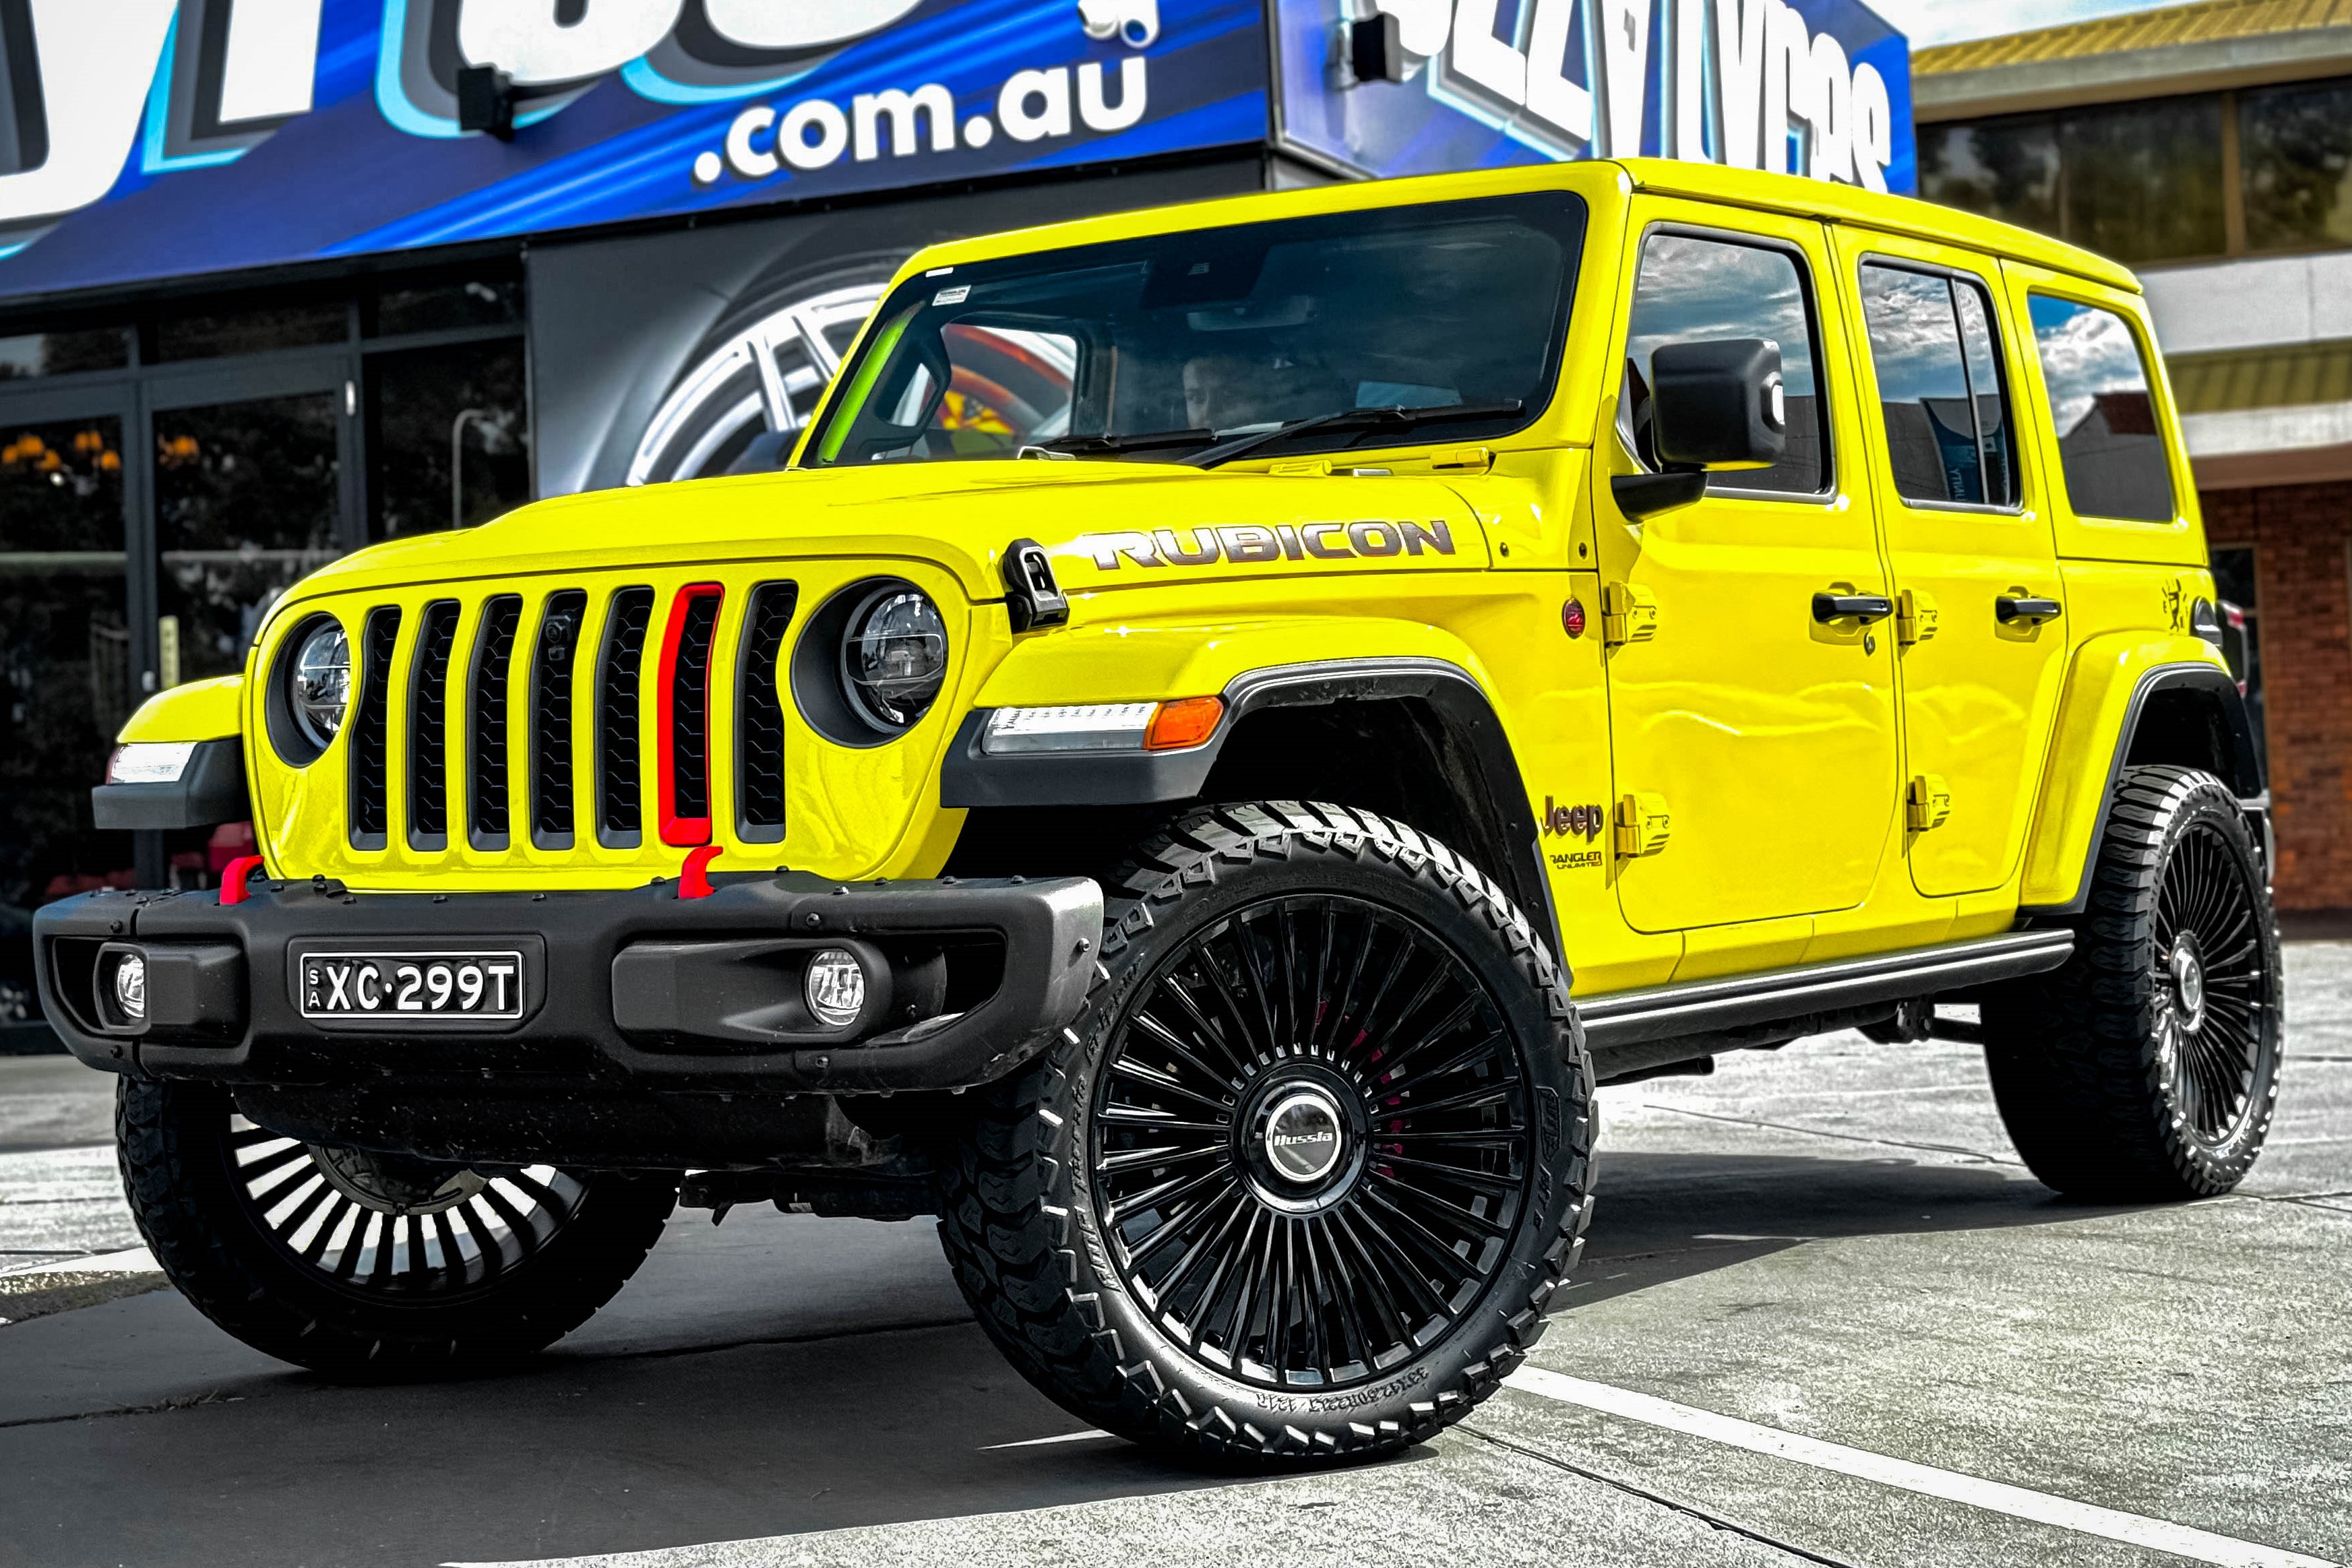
(1302,1181)
(364,1263)
(2147,1069)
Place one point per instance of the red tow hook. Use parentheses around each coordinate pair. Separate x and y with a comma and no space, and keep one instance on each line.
(694,881)
(233,876)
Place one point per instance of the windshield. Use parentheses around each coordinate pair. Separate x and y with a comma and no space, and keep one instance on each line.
(1166,345)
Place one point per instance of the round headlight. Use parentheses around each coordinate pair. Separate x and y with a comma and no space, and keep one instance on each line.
(835,987)
(320,688)
(894,657)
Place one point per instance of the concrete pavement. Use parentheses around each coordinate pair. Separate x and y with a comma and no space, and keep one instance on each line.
(1832,1240)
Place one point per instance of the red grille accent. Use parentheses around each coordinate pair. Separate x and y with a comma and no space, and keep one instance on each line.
(682,723)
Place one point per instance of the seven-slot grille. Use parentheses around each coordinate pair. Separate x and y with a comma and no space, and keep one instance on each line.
(452,695)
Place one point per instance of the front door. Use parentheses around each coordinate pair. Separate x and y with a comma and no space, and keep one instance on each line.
(1972,554)
(1766,733)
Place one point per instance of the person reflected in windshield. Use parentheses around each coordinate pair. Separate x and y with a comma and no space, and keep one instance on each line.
(1231,392)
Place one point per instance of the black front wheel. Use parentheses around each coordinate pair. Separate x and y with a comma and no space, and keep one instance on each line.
(363,1264)
(1301,1183)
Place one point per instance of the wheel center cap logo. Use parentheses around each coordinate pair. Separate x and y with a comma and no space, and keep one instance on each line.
(1302,1135)
(2189,979)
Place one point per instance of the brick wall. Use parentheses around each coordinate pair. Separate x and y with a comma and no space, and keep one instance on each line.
(2302,587)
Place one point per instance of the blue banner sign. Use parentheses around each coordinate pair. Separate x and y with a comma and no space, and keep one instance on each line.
(1818,87)
(142,138)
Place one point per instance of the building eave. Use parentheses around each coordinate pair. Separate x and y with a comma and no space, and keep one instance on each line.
(2200,65)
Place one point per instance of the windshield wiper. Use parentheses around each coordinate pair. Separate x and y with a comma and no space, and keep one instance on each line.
(1140,441)
(1432,413)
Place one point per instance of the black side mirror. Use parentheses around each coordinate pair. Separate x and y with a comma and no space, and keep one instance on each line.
(1718,405)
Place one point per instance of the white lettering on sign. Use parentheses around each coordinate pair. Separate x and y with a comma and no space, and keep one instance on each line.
(1744,83)
(95,62)
(535,43)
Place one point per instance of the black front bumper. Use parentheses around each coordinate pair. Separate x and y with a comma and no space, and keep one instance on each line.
(633,989)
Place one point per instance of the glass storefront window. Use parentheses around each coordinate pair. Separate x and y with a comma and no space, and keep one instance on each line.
(2142,182)
(441,305)
(213,331)
(2005,169)
(64,675)
(245,498)
(415,402)
(26,355)
(2294,150)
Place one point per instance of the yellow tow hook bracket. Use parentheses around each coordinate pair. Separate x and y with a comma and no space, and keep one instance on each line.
(1629,614)
(1927,803)
(1914,617)
(1643,823)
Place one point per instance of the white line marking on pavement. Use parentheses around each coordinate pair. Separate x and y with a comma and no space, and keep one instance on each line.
(1085,1436)
(138,1261)
(2042,1508)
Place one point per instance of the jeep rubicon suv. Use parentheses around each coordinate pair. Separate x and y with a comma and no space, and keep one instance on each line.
(1233,720)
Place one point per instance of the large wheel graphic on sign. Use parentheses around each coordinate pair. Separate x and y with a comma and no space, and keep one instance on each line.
(764,368)
(760,372)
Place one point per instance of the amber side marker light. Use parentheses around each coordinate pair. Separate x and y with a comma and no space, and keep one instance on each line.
(1187,721)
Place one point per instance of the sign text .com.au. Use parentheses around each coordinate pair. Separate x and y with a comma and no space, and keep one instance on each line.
(816,133)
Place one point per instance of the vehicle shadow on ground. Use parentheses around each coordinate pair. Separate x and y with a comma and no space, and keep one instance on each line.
(781,1376)
(1664,1216)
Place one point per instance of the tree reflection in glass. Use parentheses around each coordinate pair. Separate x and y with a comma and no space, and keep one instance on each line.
(245,505)
(64,676)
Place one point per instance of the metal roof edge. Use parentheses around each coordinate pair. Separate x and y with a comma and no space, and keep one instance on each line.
(1906,215)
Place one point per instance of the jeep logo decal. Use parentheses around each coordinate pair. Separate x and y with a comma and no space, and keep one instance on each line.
(1573,821)
(1244,544)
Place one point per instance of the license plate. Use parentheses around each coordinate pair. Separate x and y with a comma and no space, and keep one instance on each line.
(393,986)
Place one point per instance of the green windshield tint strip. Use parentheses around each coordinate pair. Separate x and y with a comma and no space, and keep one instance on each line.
(869,370)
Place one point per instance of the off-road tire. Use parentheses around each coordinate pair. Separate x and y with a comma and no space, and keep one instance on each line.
(178,1146)
(2108,1092)
(1021,1225)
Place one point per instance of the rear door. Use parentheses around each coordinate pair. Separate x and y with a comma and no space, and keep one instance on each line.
(1762,737)
(1981,632)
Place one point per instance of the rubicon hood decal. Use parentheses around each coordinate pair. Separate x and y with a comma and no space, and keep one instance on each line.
(1242,544)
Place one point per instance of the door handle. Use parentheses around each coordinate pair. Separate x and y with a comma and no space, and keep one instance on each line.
(2037,611)
(1863,607)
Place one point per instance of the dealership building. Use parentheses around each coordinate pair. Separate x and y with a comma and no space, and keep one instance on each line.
(2210,147)
(280,278)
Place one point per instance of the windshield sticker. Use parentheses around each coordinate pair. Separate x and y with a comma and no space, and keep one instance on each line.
(1244,544)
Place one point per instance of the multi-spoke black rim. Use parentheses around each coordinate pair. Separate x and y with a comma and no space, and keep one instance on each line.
(385,1227)
(1310,1142)
(2212,982)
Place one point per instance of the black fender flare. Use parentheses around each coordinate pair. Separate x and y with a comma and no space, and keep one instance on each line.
(973,779)
(2244,778)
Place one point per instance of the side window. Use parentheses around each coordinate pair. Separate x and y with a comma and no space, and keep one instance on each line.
(1692,289)
(2108,440)
(1938,386)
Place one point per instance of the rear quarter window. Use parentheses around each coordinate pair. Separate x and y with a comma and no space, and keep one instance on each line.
(2110,444)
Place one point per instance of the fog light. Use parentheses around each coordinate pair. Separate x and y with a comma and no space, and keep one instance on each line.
(835,987)
(130,986)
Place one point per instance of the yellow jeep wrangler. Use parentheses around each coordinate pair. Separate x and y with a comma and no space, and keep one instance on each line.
(1231,722)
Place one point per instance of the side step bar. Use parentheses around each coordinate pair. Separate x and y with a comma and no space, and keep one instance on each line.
(1742,1001)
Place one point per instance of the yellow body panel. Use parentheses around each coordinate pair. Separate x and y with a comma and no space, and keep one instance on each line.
(1781,748)
(210,709)
(1977,693)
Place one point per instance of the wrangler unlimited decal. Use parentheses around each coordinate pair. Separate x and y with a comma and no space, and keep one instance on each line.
(1244,543)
